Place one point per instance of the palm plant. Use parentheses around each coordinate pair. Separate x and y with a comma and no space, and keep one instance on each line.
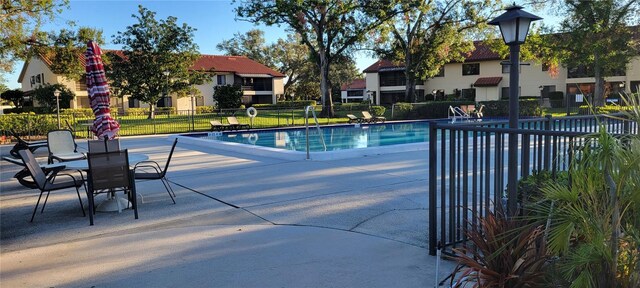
(595,222)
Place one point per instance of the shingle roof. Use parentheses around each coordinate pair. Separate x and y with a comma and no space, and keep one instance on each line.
(487,81)
(233,64)
(210,63)
(482,52)
(355,84)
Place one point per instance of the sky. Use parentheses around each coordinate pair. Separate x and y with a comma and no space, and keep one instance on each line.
(214,20)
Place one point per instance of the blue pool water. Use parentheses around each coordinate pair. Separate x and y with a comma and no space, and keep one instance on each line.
(339,137)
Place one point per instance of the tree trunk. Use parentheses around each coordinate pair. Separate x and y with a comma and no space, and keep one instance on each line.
(327,103)
(151,116)
(598,93)
(410,79)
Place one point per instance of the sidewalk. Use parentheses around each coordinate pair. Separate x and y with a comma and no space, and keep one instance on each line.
(345,223)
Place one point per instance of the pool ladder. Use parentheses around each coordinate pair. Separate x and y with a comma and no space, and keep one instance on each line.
(306,125)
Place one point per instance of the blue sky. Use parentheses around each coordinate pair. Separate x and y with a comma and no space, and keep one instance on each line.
(214,20)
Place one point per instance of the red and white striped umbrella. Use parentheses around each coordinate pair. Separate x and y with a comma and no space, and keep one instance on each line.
(98,89)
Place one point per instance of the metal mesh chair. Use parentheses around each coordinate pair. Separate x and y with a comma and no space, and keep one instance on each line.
(62,146)
(110,172)
(47,183)
(157,172)
(101,146)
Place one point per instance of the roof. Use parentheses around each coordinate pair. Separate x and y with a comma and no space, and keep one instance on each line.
(383,65)
(482,52)
(233,64)
(487,81)
(210,63)
(356,84)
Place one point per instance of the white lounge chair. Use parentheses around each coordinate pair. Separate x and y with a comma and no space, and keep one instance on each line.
(62,146)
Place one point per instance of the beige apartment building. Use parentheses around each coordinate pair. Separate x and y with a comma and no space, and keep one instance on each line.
(260,84)
(483,76)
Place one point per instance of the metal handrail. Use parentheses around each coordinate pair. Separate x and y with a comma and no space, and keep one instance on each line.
(457,112)
(306,124)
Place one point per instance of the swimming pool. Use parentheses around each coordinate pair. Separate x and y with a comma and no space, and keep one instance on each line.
(342,141)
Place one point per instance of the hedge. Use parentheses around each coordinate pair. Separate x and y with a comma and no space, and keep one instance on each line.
(205,109)
(286,104)
(36,110)
(78,112)
(426,110)
(500,108)
(586,110)
(351,107)
(24,123)
(378,110)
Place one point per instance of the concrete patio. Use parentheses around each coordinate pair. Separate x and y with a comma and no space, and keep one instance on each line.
(344,223)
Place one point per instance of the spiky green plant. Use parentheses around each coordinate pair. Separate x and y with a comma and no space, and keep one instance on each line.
(595,222)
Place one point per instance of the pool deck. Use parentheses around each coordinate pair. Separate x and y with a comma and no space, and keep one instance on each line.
(359,222)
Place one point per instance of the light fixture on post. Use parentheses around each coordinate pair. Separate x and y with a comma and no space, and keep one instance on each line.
(57,94)
(514,27)
(166,89)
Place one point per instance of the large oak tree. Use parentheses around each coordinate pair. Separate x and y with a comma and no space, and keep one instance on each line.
(435,33)
(329,28)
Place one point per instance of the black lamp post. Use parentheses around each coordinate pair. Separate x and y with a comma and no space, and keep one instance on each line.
(514,26)
(166,89)
(57,94)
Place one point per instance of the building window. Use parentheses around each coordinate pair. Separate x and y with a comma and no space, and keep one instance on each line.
(81,84)
(133,103)
(257,84)
(544,93)
(635,86)
(440,72)
(393,78)
(471,69)
(221,79)
(355,93)
(469,94)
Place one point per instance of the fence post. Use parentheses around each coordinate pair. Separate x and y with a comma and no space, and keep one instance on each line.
(547,143)
(278,115)
(433,157)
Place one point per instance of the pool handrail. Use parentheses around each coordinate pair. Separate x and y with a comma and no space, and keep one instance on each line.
(306,124)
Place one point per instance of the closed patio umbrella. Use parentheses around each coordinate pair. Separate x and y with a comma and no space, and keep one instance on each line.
(103,125)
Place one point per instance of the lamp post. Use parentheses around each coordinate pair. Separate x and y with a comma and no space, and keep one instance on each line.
(57,94)
(514,27)
(166,89)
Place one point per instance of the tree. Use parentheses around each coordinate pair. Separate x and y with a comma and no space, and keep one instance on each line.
(252,45)
(46,97)
(228,96)
(15,96)
(151,48)
(435,33)
(21,22)
(328,28)
(596,35)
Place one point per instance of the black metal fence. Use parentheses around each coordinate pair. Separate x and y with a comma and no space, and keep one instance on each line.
(468,165)
(162,123)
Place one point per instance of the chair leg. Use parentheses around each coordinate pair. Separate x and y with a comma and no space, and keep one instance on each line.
(91,208)
(36,208)
(81,205)
(168,187)
(134,200)
(45,201)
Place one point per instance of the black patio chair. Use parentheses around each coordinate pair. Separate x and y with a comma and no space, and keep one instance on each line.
(23,144)
(48,183)
(110,172)
(106,145)
(158,173)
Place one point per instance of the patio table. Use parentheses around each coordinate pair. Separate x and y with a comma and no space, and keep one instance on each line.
(113,202)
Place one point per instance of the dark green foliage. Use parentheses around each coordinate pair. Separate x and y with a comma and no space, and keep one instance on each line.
(205,109)
(165,110)
(427,110)
(378,110)
(45,97)
(29,123)
(556,95)
(15,96)
(531,186)
(500,108)
(228,96)
(350,107)
(507,252)
(78,112)
(287,104)
(29,109)
(402,110)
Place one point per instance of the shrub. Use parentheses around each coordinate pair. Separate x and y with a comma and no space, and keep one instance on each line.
(35,110)
(402,110)
(228,96)
(378,110)
(28,123)
(556,95)
(78,112)
(165,110)
(435,109)
(351,107)
(45,95)
(136,111)
(500,108)
(205,109)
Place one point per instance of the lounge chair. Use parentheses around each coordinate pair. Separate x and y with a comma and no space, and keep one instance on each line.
(478,113)
(217,126)
(62,146)
(22,144)
(235,124)
(367,117)
(353,118)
